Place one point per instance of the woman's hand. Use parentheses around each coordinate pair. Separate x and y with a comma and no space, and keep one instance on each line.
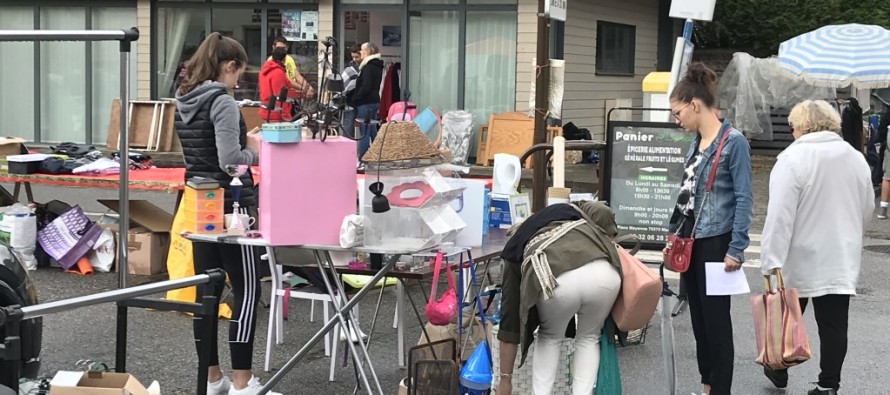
(505,386)
(731,264)
(253,140)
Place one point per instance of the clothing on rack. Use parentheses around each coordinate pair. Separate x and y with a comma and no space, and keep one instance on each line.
(390,91)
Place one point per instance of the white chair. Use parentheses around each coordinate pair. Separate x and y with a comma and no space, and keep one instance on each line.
(276,314)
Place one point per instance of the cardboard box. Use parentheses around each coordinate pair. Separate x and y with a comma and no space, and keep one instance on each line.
(10,146)
(148,239)
(95,383)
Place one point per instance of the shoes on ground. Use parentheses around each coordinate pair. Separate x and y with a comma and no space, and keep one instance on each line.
(253,388)
(779,378)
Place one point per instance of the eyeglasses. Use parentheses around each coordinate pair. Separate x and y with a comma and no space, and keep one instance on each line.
(680,110)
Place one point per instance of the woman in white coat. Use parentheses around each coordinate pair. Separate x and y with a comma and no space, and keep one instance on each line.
(820,199)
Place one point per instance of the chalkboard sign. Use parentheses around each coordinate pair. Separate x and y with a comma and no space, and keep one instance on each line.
(643,170)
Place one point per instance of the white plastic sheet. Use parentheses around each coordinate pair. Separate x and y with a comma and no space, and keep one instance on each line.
(751,88)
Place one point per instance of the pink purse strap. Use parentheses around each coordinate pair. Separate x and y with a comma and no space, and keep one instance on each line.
(437,267)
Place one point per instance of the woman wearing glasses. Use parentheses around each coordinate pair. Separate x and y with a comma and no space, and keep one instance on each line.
(716,213)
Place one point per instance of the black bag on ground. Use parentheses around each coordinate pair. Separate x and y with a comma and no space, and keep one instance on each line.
(16,288)
(46,213)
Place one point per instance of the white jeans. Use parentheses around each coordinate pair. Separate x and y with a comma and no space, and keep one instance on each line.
(588,291)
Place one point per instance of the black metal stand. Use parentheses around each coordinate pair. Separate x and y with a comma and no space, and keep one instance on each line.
(12,316)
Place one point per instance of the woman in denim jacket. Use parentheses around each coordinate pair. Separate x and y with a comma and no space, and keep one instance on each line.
(718,220)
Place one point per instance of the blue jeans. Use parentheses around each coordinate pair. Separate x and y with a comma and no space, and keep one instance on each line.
(347,123)
(366,112)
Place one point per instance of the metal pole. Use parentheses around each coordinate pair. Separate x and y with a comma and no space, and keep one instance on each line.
(328,326)
(542,108)
(59,306)
(123,149)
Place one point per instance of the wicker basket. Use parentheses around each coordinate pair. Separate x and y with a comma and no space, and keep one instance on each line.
(522,376)
(400,141)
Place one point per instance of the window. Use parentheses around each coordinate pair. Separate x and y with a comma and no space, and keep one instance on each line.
(56,91)
(615,48)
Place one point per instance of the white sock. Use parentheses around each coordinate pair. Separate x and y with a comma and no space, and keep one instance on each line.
(885,204)
(819,387)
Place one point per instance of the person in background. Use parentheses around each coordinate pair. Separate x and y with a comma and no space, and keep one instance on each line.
(820,199)
(272,78)
(213,135)
(560,262)
(366,96)
(299,84)
(719,220)
(349,76)
(885,164)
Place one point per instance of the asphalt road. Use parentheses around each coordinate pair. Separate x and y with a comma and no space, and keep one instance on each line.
(160,344)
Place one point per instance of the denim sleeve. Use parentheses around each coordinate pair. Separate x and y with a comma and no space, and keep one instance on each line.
(740,169)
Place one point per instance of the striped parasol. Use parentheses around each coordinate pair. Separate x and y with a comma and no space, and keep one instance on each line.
(840,55)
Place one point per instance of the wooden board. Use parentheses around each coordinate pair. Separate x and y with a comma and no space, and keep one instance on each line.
(140,126)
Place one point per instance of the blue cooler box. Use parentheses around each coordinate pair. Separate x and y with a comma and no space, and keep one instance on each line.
(283,132)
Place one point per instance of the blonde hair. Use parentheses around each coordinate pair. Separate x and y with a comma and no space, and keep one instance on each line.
(814,116)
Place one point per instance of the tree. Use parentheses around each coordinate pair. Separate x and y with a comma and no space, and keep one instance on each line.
(759,26)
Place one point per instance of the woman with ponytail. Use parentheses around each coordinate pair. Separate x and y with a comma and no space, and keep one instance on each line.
(214,135)
(718,215)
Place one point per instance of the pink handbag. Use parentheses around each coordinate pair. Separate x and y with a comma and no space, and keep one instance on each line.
(640,291)
(442,311)
(779,327)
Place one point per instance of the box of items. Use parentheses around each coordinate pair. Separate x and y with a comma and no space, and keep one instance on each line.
(95,383)
(148,237)
(25,164)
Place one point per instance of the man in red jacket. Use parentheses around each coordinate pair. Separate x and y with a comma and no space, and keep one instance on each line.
(273,77)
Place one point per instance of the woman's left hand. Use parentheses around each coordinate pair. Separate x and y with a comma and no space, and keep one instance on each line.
(731,264)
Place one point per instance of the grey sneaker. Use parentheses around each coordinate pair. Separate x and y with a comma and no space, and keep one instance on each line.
(882,213)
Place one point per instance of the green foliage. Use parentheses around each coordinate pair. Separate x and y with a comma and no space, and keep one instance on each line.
(759,26)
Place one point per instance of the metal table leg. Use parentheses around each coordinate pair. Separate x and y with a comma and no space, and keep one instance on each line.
(329,326)
(349,322)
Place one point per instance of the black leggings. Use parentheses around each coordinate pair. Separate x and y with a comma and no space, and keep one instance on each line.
(711,319)
(831,318)
(240,263)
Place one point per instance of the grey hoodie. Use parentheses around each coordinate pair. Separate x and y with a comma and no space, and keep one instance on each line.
(226,118)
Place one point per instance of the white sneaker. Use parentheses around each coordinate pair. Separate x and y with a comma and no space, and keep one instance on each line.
(220,387)
(253,388)
(352,337)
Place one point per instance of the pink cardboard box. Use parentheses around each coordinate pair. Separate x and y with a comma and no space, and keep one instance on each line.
(305,191)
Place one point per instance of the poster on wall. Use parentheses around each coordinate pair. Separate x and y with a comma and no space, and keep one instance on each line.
(290,24)
(349,19)
(392,36)
(309,26)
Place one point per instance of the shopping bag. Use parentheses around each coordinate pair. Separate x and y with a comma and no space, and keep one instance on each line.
(69,237)
(608,377)
(778,326)
(180,262)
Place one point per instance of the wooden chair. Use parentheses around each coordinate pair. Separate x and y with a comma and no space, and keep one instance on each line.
(509,133)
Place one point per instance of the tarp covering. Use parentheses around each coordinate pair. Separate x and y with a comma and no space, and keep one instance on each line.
(750,88)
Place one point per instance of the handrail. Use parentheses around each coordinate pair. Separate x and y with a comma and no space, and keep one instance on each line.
(582,145)
(58,306)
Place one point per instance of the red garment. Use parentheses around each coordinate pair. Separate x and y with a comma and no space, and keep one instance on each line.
(272,78)
(386,98)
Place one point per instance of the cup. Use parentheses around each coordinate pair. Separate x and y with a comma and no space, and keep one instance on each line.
(246,220)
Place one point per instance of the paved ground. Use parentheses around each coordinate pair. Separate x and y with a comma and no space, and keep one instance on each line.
(160,346)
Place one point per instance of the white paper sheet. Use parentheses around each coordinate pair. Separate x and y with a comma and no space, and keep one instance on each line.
(720,282)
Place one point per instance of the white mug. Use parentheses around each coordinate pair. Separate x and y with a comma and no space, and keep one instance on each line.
(246,220)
